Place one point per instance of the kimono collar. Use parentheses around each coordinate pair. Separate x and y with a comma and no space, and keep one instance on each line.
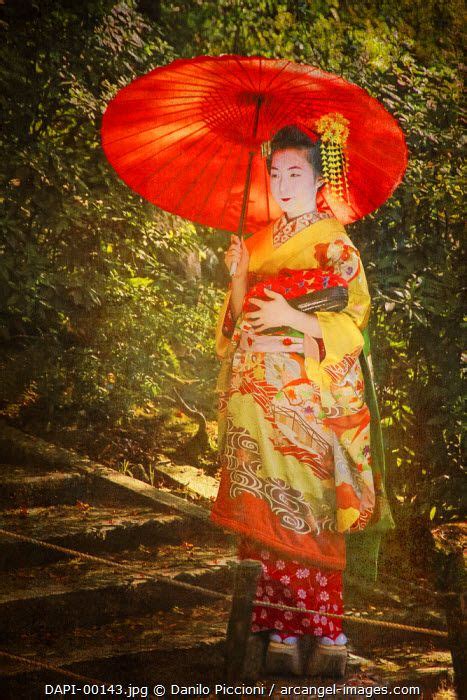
(284,228)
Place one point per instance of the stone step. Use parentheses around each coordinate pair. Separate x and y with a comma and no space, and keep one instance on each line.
(182,647)
(177,646)
(74,592)
(87,528)
(17,447)
(26,487)
(192,479)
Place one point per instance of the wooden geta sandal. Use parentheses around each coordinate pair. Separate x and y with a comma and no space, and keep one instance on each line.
(327,660)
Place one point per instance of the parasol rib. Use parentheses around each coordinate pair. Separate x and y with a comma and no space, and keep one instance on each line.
(231,186)
(246,191)
(214,182)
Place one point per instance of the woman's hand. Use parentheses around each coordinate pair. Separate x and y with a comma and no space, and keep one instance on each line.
(270,314)
(237,253)
(278,312)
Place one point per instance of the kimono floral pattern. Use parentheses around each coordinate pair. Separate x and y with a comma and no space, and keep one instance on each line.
(302,477)
(290,582)
(339,255)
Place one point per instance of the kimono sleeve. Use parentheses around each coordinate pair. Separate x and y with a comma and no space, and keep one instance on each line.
(342,331)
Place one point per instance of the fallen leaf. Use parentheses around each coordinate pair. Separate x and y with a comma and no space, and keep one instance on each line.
(82,506)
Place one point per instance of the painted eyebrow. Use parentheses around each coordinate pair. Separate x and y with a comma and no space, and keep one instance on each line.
(292,167)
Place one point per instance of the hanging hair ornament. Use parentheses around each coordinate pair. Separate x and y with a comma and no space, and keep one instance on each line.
(334,131)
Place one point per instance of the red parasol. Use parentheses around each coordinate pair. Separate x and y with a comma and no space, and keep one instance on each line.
(187,137)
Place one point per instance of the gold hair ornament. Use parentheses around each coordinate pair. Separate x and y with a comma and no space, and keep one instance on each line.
(266,149)
(334,131)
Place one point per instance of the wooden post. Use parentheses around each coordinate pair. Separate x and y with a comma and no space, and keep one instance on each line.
(450,583)
(244,651)
(454,608)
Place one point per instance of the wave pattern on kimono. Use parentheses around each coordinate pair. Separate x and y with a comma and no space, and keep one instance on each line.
(293,425)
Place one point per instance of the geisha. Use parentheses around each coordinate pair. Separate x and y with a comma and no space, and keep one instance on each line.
(294,427)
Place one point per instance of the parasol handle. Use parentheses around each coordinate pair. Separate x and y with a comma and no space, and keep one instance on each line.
(246,191)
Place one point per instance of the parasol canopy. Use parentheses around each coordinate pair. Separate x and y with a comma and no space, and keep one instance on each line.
(187,137)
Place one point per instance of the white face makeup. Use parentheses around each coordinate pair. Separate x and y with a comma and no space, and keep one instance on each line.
(293,182)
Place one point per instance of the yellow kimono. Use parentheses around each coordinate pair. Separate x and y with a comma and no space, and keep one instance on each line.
(294,430)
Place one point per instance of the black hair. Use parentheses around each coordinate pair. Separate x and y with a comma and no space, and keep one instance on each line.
(293,137)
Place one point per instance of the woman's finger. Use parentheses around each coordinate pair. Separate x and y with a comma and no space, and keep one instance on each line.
(271,293)
(234,250)
(232,255)
(257,302)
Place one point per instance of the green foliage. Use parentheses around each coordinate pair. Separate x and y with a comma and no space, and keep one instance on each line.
(102,306)
(93,282)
